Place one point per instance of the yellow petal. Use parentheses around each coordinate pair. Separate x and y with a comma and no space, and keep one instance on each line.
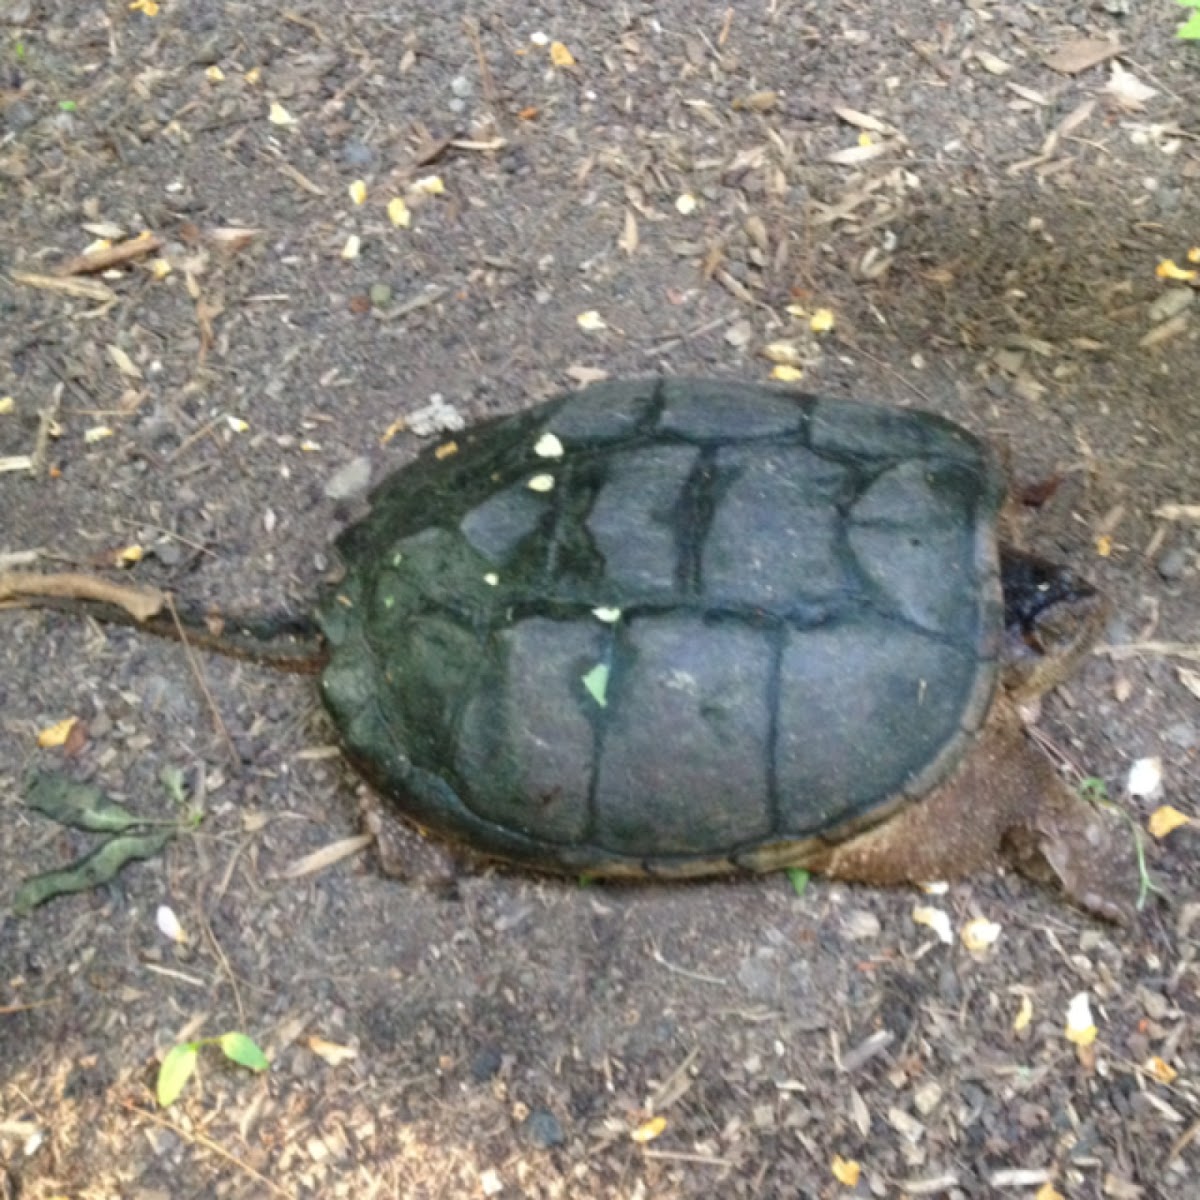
(1104,545)
(428,185)
(160,268)
(1048,1192)
(785,353)
(1168,270)
(1165,820)
(350,250)
(845,1170)
(541,483)
(980,934)
(97,433)
(937,919)
(358,191)
(560,56)
(686,204)
(253,75)
(1193,255)
(214,74)
(131,554)
(1081,1029)
(399,213)
(280,115)
(822,321)
(647,1131)
(1161,1070)
(236,424)
(57,734)
(1024,1015)
(786,374)
(591,320)
(7,404)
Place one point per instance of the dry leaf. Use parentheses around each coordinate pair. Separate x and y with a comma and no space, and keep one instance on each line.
(991,64)
(331,1052)
(861,120)
(560,56)
(278,115)
(326,856)
(936,919)
(1127,89)
(852,156)
(1079,55)
(628,241)
(1165,820)
(427,185)
(845,1170)
(56,735)
(1081,1029)
(124,363)
(1190,680)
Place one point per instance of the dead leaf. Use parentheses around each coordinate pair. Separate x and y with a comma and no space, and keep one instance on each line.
(862,120)
(1127,89)
(852,156)
(124,363)
(331,1052)
(845,1170)
(326,856)
(992,64)
(231,238)
(56,735)
(1024,1015)
(649,1130)
(560,56)
(1190,680)
(1081,54)
(1165,820)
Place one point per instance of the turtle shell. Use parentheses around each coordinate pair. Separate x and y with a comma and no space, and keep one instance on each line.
(670,626)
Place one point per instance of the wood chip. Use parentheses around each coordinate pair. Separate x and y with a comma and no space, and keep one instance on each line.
(1165,331)
(82,289)
(861,120)
(113,256)
(1078,56)
(16,462)
(1178,512)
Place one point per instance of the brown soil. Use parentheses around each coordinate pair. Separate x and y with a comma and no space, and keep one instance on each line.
(992,255)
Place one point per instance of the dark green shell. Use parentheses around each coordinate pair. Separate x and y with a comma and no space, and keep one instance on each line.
(702,623)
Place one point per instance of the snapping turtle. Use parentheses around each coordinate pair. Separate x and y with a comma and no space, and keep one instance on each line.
(675,628)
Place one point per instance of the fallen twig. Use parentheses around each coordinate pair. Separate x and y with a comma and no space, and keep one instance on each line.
(17,587)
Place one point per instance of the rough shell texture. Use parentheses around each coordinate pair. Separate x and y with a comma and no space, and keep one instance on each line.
(699,626)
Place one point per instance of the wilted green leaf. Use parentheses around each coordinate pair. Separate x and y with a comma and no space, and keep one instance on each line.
(175,1071)
(101,866)
(80,805)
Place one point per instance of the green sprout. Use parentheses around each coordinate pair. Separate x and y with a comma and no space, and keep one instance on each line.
(1095,790)
(180,1062)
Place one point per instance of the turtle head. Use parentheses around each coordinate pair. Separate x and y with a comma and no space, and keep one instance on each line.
(1052,619)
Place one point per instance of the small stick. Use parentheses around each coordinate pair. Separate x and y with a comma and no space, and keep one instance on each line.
(485,71)
(112,256)
(198,672)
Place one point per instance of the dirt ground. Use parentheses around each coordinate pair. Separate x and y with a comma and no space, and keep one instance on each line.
(985,223)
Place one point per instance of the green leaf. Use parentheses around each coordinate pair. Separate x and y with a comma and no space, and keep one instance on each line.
(172,779)
(1093,788)
(175,1071)
(80,805)
(799,877)
(243,1050)
(67,105)
(596,682)
(1190,29)
(100,866)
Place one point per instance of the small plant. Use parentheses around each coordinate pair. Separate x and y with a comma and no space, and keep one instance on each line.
(1095,790)
(180,1062)
(1190,29)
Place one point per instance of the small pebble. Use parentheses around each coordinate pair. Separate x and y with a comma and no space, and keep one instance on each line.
(542,1128)
(381,294)
(460,85)
(1172,564)
(357,154)
(485,1064)
(350,481)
